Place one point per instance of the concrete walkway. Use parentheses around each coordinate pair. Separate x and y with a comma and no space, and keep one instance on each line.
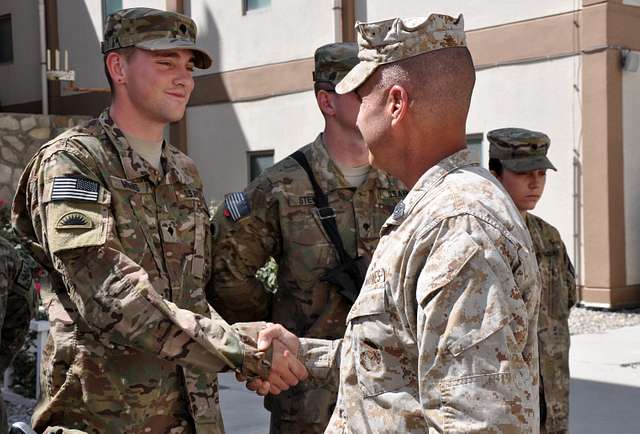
(605,382)
(605,388)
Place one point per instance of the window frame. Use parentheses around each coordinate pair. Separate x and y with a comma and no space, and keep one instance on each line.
(247,11)
(261,153)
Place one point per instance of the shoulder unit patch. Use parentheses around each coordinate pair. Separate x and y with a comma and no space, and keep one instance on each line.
(74,220)
(236,206)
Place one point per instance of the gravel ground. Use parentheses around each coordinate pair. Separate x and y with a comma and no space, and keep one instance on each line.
(584,320)
(19,408)
(581,321)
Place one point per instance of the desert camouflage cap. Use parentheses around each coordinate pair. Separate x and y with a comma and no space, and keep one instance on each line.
(154,30)
(400,38)
(520,150)
(334,61)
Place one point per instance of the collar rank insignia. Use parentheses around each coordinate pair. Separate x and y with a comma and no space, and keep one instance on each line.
(74,220)
(236,206)
(398,211)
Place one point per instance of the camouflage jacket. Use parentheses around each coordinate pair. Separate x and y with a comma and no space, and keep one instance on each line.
(133,346)
(443,335)
(557,296)
(283,223)
(16,302)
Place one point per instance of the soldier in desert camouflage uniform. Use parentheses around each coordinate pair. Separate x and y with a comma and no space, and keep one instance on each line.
(16,309)
(442,337)
(518,158)
(117,217)
(282,221)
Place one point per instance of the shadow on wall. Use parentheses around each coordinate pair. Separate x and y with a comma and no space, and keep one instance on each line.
(217,142)
(604,407)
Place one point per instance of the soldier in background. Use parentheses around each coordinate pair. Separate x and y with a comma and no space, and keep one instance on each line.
(518,158)
(279,215)
(118,218)
(16,309)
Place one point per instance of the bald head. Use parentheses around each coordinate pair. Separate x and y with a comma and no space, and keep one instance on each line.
(439,83)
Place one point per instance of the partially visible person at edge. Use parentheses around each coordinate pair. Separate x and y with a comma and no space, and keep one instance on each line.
(443,336)
(518,158)
(281,219)
(17,308)
(118,218)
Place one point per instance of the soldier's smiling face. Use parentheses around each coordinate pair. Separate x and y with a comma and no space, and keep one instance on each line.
(159,83)
(525,188)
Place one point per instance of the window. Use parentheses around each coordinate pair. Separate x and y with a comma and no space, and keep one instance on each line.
(258,162)
(6,39)
(474,143)
(109,7)
(251,5)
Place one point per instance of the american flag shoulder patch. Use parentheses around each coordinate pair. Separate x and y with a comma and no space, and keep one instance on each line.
(72,188)
(236,206)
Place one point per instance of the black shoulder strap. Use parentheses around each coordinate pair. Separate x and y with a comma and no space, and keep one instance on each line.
(325,212)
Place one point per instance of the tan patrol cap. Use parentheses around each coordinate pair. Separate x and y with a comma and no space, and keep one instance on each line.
(400,38)
(334,61)
(520,150)
(153,30)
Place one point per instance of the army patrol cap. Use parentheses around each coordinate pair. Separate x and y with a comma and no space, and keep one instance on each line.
(396,39)
(520,150)
(153,30)
(334,61)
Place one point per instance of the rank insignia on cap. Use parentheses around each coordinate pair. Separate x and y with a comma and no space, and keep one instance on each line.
(70,188)
(236,206)
(74,220)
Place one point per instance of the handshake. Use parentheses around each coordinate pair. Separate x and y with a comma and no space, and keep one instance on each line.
(286,369)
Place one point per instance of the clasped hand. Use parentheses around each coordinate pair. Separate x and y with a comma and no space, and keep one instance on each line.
(286,370)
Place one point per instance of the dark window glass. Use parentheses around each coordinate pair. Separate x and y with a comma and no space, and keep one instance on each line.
(474,143)
(258,162)
(250,5)
(109,7)
(6,39)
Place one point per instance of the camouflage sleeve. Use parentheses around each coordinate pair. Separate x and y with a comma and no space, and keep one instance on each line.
(473,324)
(570,278)
(112,293)
(240,248)
(19,306)
(321,357)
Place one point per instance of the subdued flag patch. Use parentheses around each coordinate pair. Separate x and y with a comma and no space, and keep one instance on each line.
(74,220)
(236,206)
(67,187)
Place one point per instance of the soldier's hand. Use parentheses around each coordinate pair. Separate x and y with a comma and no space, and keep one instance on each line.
(286,369)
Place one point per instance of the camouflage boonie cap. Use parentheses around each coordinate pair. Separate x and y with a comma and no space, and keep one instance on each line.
(334,61)
(153,30)
(400,38)
(520,150)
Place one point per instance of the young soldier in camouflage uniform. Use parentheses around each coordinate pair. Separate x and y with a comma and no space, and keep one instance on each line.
(442,337)
(282,220)
(16,310)
(118,218)
(517,157)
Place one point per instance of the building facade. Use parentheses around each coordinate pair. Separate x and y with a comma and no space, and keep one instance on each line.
(565,67)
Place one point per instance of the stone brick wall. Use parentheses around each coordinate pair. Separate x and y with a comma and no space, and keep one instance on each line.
(21,135)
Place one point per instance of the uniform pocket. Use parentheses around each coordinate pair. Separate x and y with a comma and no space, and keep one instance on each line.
(378,353)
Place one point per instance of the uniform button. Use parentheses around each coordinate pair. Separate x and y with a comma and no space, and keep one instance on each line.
(365,226)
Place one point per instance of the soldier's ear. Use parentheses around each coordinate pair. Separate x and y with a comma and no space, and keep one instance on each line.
(326,103)
(116,65)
